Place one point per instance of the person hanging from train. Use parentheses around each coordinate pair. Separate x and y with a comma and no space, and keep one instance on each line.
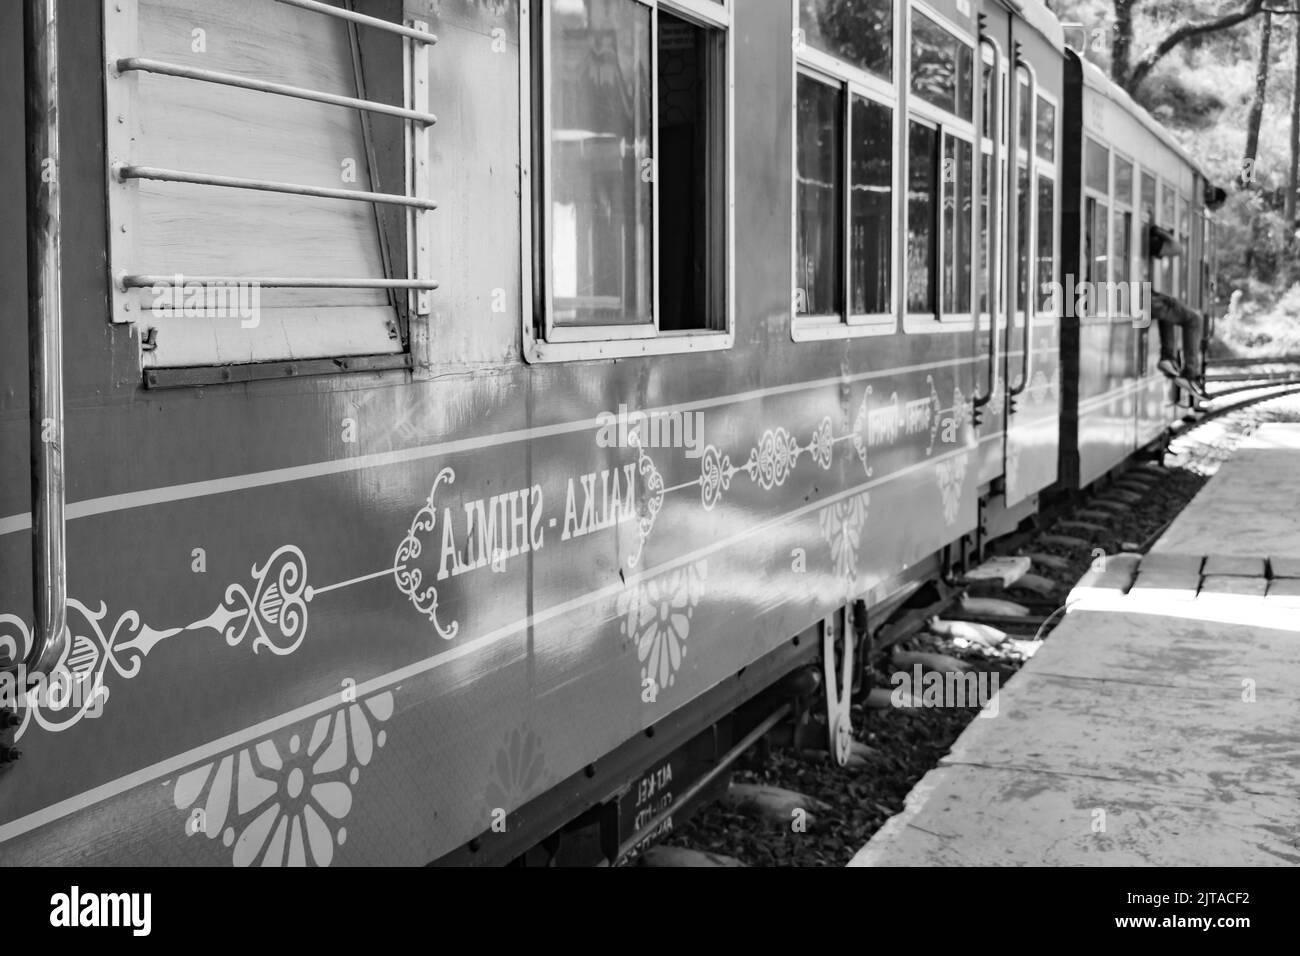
(1173,316)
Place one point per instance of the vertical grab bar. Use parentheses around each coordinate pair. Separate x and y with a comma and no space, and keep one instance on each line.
(995,119)
(1029,225)
(45,333)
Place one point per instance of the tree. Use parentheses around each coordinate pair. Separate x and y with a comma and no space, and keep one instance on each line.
(1293,181)
(1247,176)
(1121,52)
(1187,31)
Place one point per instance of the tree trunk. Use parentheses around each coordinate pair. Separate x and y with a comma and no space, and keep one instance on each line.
(1293,180)
(1248,176)
(1121,51)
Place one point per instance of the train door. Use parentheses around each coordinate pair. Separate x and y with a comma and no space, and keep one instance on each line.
(1033,352)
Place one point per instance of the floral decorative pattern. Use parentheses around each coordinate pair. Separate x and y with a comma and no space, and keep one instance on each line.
(770,462)
(409,579)
(951,475)
(842,524)
(651,502)
(519,767)
(657,617)
(283,803)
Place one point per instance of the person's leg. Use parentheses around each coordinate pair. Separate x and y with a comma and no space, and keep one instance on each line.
(1162,312)
(1193,325)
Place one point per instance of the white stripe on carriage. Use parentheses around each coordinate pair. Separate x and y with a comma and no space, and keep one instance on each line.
(81,801)
(259,479)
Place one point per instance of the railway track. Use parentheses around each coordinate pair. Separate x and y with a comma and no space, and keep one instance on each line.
(841,807)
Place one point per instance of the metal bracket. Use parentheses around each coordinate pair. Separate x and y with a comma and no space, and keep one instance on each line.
(839,693)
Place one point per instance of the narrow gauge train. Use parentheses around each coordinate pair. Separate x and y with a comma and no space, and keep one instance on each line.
(403,491)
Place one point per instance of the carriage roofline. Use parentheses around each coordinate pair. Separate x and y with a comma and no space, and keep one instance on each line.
(1095,78)
(1037,15)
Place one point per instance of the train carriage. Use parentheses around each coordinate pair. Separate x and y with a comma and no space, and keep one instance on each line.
(1129,177)
(471,422)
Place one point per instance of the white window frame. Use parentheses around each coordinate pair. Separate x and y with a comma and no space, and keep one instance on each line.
(1102,313)
(852,81)
(1051,170)
(578,343)
(946,124)
(1117,209)
(997,216)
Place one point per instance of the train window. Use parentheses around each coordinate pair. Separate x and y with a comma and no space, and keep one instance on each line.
(942,67)
(819,249)
(957,175)
(234,240)
(872,206)
(922,200)
(1046,243)
(1185,243)
(1148,204)
(860,33)
(1046,132)
(844,205)
(1025,127)
(1096,166)
(1122,244)
(1096,245)
(633,150)
(1123,181)
(1025,240)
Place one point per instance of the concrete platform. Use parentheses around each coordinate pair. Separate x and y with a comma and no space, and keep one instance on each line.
(1158,725)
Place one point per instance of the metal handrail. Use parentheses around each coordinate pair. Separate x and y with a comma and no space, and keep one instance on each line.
(162,68)
(995,116)
(377,22)
(45,337)
(1029,226)
(275,282)
(124,172)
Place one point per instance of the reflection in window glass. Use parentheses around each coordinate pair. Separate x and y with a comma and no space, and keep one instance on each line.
(956,226)
(922,180)
(1123,182)
(942,67)
(601,221)
(819,267)
(1096,161)
(1026,116)
(860,32)
(1046,236)
(1168,198)
(1122,246)
(872,201)
(1185,241)
(1148,216)
(1024,239)
(1046,133)
(982,273)
(1096,245)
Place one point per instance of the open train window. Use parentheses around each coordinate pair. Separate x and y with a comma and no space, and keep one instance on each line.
(1045,176)
(942,239)
(985,243)
(1096,224)
(1122,246)
(1167,275)
(1148,209)
(264,201)
(632,188)
(844,185)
